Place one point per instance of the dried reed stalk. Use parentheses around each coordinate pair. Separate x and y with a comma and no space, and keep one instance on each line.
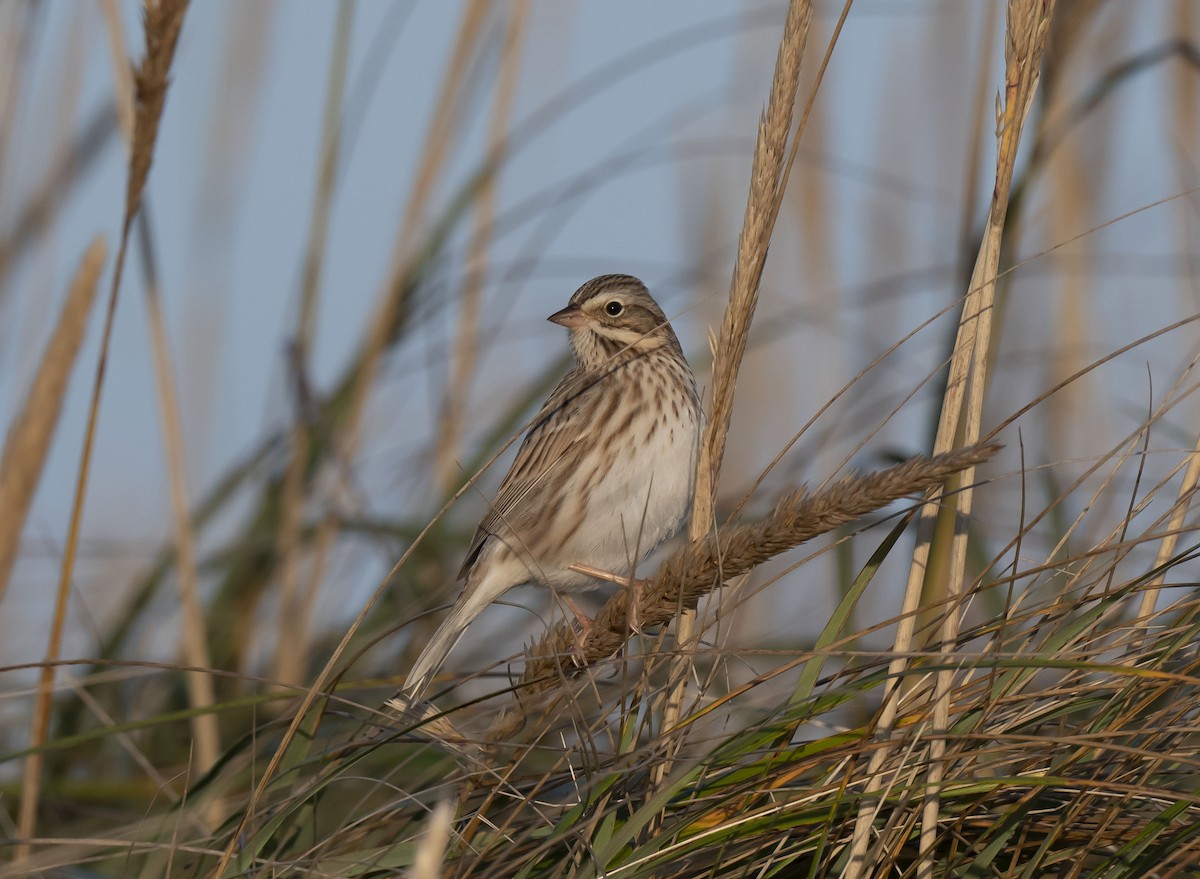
(392,297)
(466,347)
(1174,528)
(435,154)
(702,566)
(762,208)
(295,605)
(433,159)
(757,225)
(30,435)
(194,643)
(123,90)
(163,21)
(1185,114)
(1027,27)
(201,693)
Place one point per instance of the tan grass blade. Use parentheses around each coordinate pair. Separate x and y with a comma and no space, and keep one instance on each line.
(1185,114)
(1028,23)
(466,346)
(194,642)
(31,433)
(1175,527)
(123,93)
(435,153)
(293,636)
(429,860)
(762,206)
(201,693)
(163,22)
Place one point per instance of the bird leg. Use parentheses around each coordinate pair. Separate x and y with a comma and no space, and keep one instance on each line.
(635,585)
(582,622)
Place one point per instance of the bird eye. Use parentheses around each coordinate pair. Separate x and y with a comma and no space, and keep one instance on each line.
(614,308)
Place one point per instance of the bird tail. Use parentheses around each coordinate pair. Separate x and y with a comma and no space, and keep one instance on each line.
(434,654)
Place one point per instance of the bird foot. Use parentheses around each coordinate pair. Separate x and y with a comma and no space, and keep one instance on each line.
(581,627)
(636,586)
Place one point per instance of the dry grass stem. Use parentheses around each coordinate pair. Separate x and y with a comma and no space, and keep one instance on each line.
(124,93)
(762,207)
(433,160)
(757,225)
(1027,27)
(162,25)
(164,20)
(1174,528)
(699,568)
(201,693)
(466,348)
(294,603)
(32,431)
(194,642)
(391,300)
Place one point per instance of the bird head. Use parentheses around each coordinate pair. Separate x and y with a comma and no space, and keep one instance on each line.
(611,315)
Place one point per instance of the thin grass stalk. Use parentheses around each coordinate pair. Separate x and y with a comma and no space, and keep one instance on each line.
(32,431)
(1166,548)
(292,638)
(65,119)
(762,203)
(973,167)
(14,55)
(201,692)
(123,95)
(1135,445)
(238,83)
(163,22)
(466,347)
(1025,43)
(436,152)
(1025,40)
(1028,25)
(1175,396)
(1070,170)
(1187,119)
(1184,111)
(434,157)
(808,108)
(194,643)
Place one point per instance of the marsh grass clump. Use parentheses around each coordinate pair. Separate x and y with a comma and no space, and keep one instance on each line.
(980,661)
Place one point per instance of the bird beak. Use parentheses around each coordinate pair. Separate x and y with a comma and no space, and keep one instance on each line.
(571,317)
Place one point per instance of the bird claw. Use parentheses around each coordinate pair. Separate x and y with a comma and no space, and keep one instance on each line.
(636,590)
(581,628)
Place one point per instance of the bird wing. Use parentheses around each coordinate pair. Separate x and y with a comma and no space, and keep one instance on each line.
(561,423)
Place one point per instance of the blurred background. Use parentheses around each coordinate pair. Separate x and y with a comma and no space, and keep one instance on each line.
(431,179)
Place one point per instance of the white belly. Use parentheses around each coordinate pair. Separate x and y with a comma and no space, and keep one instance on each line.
(639,502)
